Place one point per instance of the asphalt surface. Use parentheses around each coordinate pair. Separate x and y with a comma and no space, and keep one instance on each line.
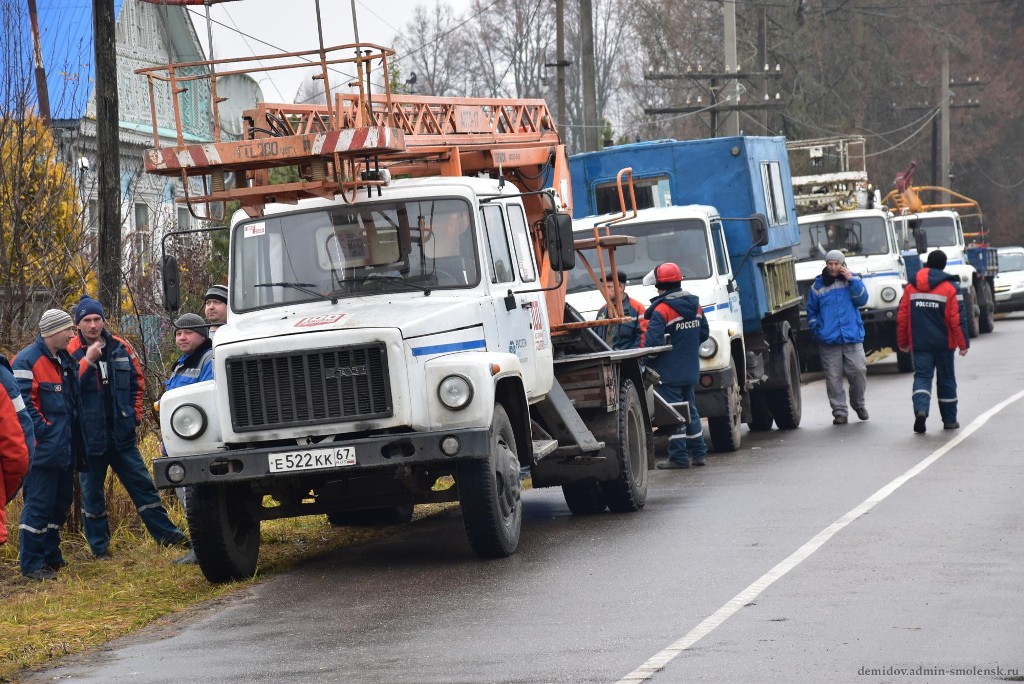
(926,575)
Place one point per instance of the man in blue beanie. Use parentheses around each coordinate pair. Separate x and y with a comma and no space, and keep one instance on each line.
(112,389)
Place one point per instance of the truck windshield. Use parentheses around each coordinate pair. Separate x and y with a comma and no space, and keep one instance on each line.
(353,250)
(1011,262)
(853,237)
(683,242)
(941,231)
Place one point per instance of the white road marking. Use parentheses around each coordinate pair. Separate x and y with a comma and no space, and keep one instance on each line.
(658,662)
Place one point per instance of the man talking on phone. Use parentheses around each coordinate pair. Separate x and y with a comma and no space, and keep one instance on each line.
(833,315)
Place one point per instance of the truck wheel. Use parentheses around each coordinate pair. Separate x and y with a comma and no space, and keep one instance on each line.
(725,430)
(987,319)
(904,362)
(785,403)
(225,537)
(628,492)
(584,498)
(972,319)
(760,416)
(490,493)
(389,515)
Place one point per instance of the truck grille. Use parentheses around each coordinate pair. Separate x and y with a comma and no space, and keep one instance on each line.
(325,386)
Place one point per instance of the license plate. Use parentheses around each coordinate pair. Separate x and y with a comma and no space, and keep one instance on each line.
(312,459)
(1002,297)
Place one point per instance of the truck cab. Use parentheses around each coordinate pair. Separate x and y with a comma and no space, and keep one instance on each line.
(943,229)
(873,250)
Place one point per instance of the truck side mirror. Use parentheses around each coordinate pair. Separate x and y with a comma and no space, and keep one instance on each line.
(171,282)
(758,230)
(560,243)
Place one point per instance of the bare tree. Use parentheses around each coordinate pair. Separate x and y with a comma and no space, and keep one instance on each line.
(432,52)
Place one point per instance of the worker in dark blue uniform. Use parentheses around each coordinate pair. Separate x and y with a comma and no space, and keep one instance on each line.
(48,380)
(623,335)
(678,314)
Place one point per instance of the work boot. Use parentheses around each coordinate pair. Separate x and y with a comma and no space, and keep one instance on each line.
(840,420)
(700,462)
(672,465)
(919,419)
(40,574)
(188,559)
(862,413)
(951,426)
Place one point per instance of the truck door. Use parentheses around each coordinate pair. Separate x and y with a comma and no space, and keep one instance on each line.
(731,292)
(523,330)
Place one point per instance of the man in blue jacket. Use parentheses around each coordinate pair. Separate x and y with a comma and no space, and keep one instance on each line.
(833,315)
(112,389)
(678,314)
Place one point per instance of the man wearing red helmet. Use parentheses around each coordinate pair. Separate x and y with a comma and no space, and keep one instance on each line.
(678,314)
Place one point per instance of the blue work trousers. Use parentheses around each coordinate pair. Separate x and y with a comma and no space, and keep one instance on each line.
(687,442)
(47,495)
(940,365)
(129,467)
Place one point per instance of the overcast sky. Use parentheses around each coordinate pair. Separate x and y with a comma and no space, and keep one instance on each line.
(259,27)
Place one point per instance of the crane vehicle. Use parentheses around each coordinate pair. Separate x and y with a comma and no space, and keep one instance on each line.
(839,209)
(396,322)
(939,224)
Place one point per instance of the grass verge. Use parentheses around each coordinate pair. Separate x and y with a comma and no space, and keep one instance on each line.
(92,602)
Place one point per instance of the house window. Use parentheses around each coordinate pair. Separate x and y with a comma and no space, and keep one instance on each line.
(142,233)
(93,219)
(184,218)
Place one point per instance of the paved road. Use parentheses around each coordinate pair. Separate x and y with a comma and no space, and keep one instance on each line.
(784,562)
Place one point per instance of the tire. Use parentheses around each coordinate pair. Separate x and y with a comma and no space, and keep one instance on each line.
(584,498)
(760,415)
(725,430)
(972,321)
(904,362)
(628,492)
(225,537)
(987,319)
(785,403)
(490,493)
(389,515)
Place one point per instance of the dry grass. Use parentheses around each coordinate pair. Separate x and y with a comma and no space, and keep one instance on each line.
(92,602)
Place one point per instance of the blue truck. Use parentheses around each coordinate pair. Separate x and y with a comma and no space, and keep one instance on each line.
(723,209)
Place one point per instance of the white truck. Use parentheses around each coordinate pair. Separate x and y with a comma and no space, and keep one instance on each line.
(722,210)
(839,209)
(387,335)
(939,225)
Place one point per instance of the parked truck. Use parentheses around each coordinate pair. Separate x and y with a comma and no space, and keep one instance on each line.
(395,325)
(839,209)
(693,202)
(939,224)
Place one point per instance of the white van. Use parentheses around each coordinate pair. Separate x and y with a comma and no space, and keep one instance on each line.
(1010,280)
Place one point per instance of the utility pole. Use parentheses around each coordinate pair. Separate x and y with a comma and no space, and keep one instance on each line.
(42,91)
(731,120)
(560,64)
(590,124)
(108,156)
(944,105)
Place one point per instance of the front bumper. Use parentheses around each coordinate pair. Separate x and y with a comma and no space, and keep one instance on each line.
(1009,301)
(714,392)
(372,453)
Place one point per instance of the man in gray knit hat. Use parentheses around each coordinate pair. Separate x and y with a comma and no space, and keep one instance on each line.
(833,315)
(48,380)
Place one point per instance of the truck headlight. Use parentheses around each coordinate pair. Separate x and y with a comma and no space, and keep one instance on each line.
(455,392)
(708,348)
(888,294)
(188,421)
